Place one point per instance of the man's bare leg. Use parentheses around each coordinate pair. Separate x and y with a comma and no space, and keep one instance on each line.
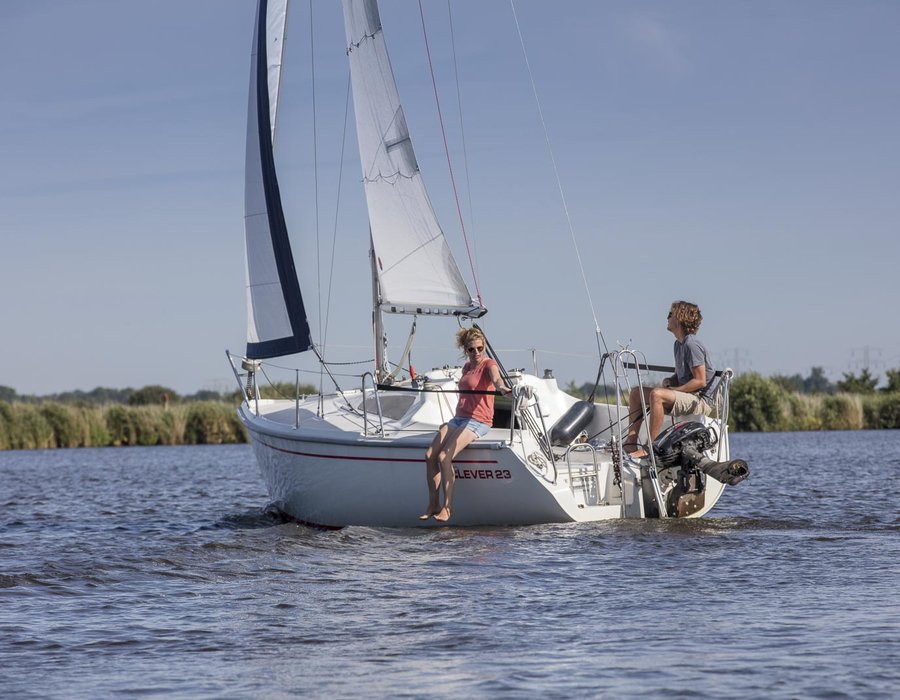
(635,420)
(661,403)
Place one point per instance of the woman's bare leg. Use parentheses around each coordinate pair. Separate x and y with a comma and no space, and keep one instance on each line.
(433,471)
(453,445)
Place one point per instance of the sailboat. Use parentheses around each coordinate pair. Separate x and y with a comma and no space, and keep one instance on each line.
(356,457)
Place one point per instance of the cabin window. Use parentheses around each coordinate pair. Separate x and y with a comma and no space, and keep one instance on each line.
(393,406)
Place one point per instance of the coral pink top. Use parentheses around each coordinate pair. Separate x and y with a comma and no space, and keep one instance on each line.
(477,378)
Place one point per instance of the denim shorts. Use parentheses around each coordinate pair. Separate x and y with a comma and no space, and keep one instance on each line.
(480,429)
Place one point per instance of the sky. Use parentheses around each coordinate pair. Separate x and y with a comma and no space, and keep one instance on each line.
(741,155)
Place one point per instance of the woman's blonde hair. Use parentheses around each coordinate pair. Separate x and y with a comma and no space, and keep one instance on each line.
(464,336)
(688,315)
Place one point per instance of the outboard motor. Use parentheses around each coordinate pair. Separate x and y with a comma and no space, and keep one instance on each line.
(681,448)
(683,445)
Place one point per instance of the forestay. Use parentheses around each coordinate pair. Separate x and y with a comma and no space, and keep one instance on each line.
(415,267)
(276,318)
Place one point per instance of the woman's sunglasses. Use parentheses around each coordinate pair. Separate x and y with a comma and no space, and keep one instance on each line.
(480,348)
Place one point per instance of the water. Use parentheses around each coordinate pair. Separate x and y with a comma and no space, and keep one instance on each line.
(159,572)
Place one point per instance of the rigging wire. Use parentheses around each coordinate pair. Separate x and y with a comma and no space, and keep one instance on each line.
(559,186)
(337,209)
(447,152)
(462,133)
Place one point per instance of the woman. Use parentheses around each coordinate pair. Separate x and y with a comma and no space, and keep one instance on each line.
(474,415)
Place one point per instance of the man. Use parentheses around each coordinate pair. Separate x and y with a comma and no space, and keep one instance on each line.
(689,391)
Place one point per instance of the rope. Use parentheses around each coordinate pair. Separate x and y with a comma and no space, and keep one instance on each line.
(493,355)
(559,186)
(345,364)
(447,152)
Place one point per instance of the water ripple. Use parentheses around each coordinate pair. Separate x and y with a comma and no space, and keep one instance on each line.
(164,572)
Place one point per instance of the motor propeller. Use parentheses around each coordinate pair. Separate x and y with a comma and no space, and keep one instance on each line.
(731,473)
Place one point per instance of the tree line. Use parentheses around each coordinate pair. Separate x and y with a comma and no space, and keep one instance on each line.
(145,396)
(151,395)
(817,383)
(785,403)
(104,417)
(158,415)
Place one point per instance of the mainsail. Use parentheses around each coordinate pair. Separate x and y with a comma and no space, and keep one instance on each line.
(276,318)
(416,269)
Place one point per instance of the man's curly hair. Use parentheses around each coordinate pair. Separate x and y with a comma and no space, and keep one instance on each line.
(688,315)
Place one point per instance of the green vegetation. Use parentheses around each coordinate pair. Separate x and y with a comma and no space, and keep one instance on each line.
(207,424)
(761,404)
(757,404)
(815,383)
(157,415)
(26,426)
(606,393)
(153,415)
(788,403)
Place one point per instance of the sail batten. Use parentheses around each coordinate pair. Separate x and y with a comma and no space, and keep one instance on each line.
(416,268)
(276,317)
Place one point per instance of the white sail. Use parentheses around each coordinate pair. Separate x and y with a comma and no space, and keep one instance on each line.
(416,269)
(276,18)
(276,318)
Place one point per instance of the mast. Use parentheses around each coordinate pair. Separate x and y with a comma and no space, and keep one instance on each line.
(378,336)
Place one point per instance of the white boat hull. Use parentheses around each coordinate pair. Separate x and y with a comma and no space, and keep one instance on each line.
(326,472)
(334,485)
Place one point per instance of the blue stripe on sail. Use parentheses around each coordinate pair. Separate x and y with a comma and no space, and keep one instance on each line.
(274,348)
(301,339)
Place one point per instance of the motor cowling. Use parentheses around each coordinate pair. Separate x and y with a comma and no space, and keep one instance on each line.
(668,448)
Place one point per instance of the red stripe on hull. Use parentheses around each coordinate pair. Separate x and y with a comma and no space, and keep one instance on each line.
(370,459)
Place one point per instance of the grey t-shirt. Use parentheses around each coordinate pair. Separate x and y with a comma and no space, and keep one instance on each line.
(691,353)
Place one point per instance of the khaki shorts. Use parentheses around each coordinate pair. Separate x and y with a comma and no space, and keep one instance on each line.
(689,404)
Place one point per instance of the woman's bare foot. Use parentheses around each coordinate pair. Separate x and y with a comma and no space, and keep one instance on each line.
(443,516)
(429,513)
